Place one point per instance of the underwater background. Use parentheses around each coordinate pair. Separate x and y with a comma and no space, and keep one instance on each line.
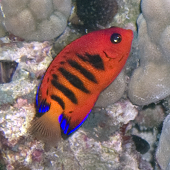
(128,128)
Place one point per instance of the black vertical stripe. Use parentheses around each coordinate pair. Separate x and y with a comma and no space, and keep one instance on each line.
(82,57)
(95,60)
(67,92)
(74,80)
(58,100)
(54,76)
(83,71)
(62,62)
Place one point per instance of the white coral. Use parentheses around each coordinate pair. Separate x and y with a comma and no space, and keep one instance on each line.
(36,20)
(163,150)
(151,81)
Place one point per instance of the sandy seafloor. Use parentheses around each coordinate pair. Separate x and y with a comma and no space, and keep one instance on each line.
(103,142)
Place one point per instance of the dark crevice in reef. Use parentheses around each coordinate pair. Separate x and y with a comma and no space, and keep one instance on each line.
(7,69)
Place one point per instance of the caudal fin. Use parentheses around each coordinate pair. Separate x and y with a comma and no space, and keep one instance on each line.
(46,128)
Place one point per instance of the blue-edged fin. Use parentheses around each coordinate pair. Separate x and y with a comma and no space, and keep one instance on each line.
(69,125)
(42,108)
(71,121)
(64,123)
(46,128)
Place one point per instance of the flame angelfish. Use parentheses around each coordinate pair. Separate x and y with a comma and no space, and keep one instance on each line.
(74,80)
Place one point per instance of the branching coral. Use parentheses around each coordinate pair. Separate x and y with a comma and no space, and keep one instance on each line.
(36,20)
(151,81)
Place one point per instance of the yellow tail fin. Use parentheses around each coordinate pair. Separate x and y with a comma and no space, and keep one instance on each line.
(46,128)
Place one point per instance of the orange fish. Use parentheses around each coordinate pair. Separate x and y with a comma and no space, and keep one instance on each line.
(74,80)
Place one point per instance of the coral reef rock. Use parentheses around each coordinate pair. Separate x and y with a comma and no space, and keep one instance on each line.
(36,20)
(23,81)
(151,116)
(163,150)
(7,69)
(97,144)
(113,92)
(2,28)
(151,81)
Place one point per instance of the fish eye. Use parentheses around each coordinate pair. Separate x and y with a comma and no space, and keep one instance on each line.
(116,38)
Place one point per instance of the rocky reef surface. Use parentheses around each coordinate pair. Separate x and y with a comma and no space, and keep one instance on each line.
(150,82)
(123,130)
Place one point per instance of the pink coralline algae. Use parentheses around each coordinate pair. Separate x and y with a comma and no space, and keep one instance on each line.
(37,155)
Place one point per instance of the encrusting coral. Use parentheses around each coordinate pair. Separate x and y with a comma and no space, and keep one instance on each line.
(2,28)
(113,92)
(36,20)
(163,150)
(151,81)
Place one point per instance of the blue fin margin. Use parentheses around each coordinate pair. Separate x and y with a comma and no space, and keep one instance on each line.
(65,123)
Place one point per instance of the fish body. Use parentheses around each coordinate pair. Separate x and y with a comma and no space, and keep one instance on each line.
(75,78)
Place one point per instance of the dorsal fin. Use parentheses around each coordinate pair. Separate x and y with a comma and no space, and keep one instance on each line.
(42,108)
